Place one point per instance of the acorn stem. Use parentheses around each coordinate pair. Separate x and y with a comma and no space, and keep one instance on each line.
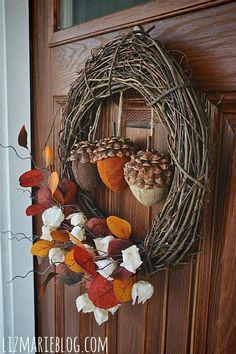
(149,143)
(114,130)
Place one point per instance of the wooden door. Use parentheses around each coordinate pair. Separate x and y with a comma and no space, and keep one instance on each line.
(193,309)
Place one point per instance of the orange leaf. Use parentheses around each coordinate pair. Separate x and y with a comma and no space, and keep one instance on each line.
(48,155)
(70,262)
(122,289)
(36,209)
(101,293)
(60,235)
(31,178)
(41,248)
(58,196)
(119,227)
(22,138)
(85,259)
(53,182)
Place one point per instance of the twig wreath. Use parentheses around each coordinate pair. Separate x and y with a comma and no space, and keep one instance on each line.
(85,247)
(137,61)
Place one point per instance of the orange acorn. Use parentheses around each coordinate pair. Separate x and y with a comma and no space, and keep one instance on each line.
(111,155)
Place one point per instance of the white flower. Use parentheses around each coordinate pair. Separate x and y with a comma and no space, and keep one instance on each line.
(106,267)
(77,219)
(112,310)
(102,244)
(84,303)
(46,233)
(53,217)
(56,255)
(100,315)
(142,291)
(131,259)
(79,233)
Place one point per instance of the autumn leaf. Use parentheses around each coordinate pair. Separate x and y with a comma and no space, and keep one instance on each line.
(31,178)
(119,227)
(41,248)
(70,262)
(44,196)
(121,273)
(85,259)
(122,289)
(22,138)
(116,246)
(60,235)
(70,278)
(48,155)
(53,182)
(68,188)
(98,226)
(101,293)
(36,209)
(44,285)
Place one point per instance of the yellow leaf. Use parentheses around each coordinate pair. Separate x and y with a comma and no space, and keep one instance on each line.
(60,235)
(41,248)
(48,155)
(53,182)
(123,288)
(119,227)
(70,262)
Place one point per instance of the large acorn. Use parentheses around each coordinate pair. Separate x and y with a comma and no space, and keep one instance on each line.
(83,167)
(149,175)
(111,155)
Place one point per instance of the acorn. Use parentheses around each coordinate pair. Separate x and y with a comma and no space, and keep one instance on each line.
(149,175)
(111,155)
(83,167)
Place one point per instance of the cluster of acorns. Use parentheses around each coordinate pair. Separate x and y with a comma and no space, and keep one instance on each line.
(118,163)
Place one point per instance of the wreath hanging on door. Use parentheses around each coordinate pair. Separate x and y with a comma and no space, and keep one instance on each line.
(86,245)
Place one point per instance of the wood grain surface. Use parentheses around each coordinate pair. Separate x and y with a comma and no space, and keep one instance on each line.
(193,308)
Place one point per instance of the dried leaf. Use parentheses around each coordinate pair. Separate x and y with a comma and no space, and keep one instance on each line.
(98,226)
(44,285)
(70,278)
(119,227)
(36,209)
(85,259)
(121,273)
(44,196)
(48,155)
(101,293)
(116,246)
(60,235)
(68,189)
(122,289)
(22,138)
(53,182)
(58,196)
(70,261)
(41,248)
(31,178)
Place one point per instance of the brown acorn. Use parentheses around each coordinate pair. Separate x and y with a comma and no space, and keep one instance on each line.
(148,174)
(111,154)
(83,167)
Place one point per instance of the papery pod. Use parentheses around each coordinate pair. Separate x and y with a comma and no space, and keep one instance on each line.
(149,175)
(83,167)
(111,155)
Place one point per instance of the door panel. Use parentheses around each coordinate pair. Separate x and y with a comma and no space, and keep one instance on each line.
(192,309)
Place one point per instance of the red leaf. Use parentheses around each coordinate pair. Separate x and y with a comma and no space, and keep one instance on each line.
(45,197)
(116,246)
(85,259)
(101,293)
(68,189)
(98,226)
(31,178)
(22,138)
(44,285)
(121,273)
(36,209)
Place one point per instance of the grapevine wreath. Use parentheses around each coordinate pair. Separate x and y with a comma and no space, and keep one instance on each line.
(88,247)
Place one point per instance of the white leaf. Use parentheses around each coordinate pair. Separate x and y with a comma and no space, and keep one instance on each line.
(53,217)
(56,255)
(102,244)
(100,315)
(113,310)
(79,233)
(84,303)
(46,233)
(106,267)
(131,259)
(142,291)
(77,219)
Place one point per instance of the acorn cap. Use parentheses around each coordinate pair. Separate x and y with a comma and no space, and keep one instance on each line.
(148,170)
(83,152)
(114,146)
